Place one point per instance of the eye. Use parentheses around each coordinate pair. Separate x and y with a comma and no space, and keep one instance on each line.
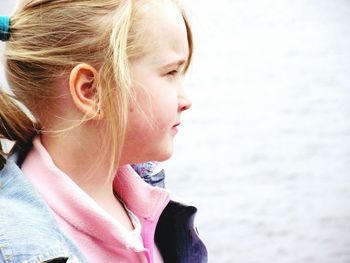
(173,73)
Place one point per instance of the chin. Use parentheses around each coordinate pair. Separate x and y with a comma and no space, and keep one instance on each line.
(160,153)
(164,158)
(165,154)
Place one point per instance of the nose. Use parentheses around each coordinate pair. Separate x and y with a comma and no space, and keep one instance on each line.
(184,101)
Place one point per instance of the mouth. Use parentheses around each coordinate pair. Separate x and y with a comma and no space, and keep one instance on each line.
(177,124)
(175,127)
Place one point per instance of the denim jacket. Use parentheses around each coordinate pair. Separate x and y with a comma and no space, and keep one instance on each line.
(30,234)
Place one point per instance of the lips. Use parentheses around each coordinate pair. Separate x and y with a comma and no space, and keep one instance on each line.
(175,127)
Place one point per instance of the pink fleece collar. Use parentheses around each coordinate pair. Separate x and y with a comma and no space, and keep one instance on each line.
(144,200)
(72,204)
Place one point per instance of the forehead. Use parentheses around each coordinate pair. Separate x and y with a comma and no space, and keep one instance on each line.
(166,32)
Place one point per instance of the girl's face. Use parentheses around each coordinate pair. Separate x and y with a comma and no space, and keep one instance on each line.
(155,114)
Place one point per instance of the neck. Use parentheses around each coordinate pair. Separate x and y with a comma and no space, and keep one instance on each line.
(82,163)
(79,162)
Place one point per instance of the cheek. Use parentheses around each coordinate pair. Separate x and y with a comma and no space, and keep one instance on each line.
(158,107)
(164,109)
(151,120)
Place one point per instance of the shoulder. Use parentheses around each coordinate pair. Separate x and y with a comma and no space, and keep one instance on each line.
(19,200)
(28,230)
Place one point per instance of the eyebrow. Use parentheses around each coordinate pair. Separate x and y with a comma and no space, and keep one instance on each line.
(175,63)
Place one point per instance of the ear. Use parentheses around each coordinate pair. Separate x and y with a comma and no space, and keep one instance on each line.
(84,90)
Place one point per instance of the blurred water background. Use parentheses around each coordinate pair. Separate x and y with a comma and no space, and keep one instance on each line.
(264,153)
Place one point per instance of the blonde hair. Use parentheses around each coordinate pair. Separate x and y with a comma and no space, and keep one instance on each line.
(48,38)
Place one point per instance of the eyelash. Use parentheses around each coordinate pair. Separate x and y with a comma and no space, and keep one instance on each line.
(173,73)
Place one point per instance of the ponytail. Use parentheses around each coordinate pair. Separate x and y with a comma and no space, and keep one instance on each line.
(15,125)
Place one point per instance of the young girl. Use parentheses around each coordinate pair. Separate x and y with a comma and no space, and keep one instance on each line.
(102,81)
